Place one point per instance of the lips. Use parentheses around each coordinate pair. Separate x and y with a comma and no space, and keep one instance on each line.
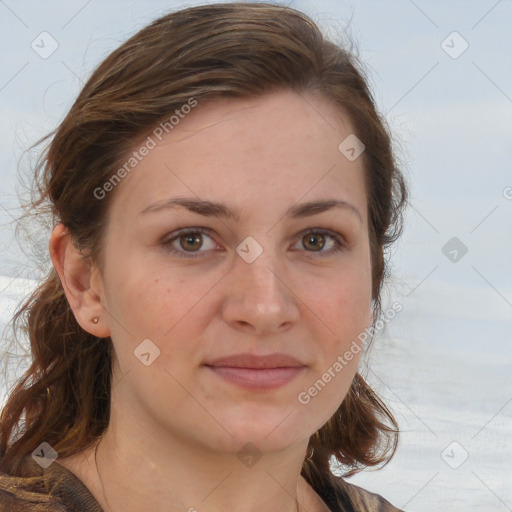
(276,360)
(257,373)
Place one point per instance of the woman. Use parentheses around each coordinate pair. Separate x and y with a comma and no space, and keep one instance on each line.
(222,193)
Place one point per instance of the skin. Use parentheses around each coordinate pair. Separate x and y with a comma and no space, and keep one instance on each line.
(260,156)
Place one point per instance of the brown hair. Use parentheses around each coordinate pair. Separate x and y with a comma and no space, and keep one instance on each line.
(234,50)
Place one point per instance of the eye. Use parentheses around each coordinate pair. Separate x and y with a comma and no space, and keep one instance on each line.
(317,239)
(187,242)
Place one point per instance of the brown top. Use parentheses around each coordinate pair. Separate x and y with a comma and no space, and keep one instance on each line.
(56,489)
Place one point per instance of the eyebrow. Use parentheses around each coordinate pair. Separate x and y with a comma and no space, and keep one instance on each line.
(215,209)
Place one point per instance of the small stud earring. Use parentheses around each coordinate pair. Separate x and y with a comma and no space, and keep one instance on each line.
(95,320)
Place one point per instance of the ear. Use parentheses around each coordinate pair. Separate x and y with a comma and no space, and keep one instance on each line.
(81,282)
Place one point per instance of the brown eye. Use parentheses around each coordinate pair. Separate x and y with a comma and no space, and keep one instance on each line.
(324,242)
(191,242)
(314,241)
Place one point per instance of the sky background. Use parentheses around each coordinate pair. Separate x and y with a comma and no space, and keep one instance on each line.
(441,74)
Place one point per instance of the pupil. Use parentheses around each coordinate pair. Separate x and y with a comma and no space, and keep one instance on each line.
(193,240)
(314,237)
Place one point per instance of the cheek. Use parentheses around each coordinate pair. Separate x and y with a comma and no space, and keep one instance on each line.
(348,315)
(345,302)
(162,306)
(339,354)
(142,295)
(345,306)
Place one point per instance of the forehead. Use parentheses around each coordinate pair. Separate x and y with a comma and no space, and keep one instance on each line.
(274,149)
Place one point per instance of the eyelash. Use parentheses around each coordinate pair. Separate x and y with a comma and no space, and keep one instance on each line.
(340,242)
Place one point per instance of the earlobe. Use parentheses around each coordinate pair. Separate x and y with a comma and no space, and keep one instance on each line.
(75,273)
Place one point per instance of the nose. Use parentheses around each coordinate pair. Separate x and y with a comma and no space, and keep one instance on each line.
(258,298)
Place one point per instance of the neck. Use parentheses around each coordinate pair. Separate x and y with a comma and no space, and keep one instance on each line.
(133,472)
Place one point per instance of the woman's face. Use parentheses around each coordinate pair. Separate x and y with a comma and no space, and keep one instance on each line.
(249,282)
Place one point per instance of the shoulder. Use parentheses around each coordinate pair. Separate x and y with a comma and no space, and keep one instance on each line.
(52,489)
(342,496)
